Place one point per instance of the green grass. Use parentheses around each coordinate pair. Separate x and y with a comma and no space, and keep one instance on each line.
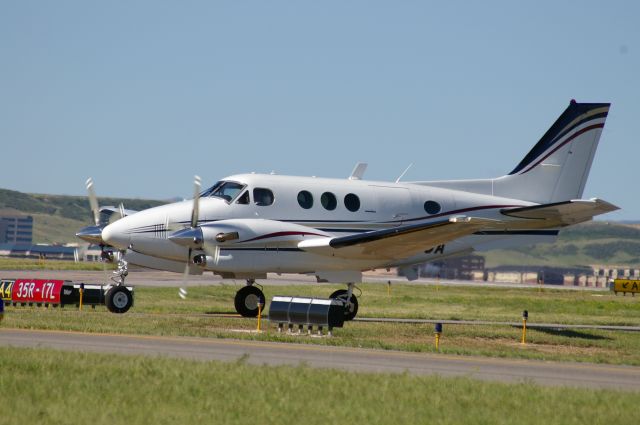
(52,387)
(34,264)
(159,311)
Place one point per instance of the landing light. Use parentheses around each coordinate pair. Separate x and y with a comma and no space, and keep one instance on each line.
(229,236)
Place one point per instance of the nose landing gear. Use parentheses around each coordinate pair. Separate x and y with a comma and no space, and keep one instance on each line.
(121,272)
(118,298)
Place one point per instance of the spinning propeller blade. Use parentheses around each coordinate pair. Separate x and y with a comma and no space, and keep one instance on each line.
(93,201)
(196,201)
(182,292)
(213,252)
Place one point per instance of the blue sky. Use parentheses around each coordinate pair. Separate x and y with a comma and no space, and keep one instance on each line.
(143,95)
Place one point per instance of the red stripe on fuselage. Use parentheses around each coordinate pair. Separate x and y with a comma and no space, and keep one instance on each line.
(279,234)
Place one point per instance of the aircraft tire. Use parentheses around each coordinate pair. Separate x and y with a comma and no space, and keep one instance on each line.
(246,301)
(118,299)
(352,307)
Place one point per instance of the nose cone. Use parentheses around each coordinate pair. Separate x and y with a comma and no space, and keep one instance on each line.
(190,237)
(116,234)
(91,234)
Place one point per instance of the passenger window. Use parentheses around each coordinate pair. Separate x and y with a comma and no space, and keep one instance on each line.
(432,207)
(262,197)
(328,201)
(244,198)
(352,202)
(305,199)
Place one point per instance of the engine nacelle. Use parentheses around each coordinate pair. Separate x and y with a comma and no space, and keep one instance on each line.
(256,231)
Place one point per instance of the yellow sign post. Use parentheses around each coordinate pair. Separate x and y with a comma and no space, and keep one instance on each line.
(525,316)
(81,294)
(259,315)
(438,332)
(626,285)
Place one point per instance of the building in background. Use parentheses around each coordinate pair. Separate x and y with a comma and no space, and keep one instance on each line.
(16,229)
(42,252)
(459,268)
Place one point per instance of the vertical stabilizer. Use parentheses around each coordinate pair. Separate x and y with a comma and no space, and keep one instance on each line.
(557,167)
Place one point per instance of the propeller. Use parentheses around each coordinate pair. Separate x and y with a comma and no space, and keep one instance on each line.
(92,233)
(195,210)
(192,237)
(93,201)
(117,215)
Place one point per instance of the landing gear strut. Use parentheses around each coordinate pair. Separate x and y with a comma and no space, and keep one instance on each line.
(120,272)
(118,298)
(350,300)
(247,300)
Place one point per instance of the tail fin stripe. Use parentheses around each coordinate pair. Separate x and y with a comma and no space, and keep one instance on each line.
(576,134)
(574,116)
(591,115)
(575,124)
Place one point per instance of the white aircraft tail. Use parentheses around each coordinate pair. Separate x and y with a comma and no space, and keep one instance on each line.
(557,167)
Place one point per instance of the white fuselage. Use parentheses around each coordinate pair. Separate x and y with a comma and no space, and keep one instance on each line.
(270,234)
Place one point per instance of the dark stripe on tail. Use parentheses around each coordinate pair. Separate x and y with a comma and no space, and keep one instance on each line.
(559,130)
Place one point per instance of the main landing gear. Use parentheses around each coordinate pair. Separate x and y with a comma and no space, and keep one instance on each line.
(350,300)
(248,298)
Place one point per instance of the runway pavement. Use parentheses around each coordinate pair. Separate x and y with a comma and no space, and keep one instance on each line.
(342,358)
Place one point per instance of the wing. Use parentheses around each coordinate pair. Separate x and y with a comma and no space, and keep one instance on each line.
(405,241)
(398,242)
(561,213)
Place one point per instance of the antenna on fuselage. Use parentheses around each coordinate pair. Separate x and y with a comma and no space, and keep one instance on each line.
(404,172)
(358,171)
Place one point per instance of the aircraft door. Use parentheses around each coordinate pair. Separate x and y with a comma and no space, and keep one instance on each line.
(393,203)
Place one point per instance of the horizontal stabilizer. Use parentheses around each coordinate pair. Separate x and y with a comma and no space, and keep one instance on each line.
(398,242)
(563,213)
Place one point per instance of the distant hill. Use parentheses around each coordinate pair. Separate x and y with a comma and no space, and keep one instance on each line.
(58,217)
(585,244)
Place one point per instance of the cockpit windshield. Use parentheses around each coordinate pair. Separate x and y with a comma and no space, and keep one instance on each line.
(224,189)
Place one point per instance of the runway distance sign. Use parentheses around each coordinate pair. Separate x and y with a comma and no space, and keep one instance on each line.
(5,289)
(626,285)
(36,291)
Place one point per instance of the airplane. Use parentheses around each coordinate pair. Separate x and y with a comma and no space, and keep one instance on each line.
(248,225)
